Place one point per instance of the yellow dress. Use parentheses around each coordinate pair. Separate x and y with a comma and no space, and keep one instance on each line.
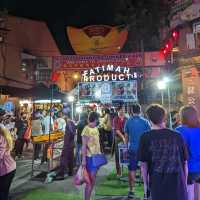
(93,145)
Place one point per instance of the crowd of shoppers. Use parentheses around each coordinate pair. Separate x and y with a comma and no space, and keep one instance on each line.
(169,159)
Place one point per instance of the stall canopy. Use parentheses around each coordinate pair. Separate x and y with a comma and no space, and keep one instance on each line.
(13,91)
(41,91)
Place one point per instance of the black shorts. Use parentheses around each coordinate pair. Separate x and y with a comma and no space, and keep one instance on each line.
(193,178)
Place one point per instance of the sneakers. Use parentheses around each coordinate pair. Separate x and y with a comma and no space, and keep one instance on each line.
(131,195)
(37,161)
(59,178)
(19,158)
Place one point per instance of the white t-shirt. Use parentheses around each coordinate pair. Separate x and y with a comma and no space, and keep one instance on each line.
(46,123)
(61,124)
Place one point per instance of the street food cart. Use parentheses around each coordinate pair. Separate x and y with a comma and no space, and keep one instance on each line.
(51,146)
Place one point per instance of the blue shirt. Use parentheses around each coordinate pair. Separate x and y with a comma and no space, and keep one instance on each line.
(135,128)
(192,139)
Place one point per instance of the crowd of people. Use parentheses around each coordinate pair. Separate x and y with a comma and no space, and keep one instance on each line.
(169,160)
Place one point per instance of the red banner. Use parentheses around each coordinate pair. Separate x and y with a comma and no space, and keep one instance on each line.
(85,62)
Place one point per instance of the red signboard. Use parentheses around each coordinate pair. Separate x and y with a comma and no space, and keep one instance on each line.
(85,62)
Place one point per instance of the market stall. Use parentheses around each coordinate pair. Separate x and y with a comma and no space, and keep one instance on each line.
(52,144)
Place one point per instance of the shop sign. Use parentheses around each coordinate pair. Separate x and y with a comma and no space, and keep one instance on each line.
(108,92)
(189,61)
(84,62)
(154,58)
(191,90)
(108,73)
(196,27)
(147,59)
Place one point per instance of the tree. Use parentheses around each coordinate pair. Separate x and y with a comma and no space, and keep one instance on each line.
(143,19)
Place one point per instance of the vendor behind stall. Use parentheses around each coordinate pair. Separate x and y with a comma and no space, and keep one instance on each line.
(47,121)
(36,131)
(60,122)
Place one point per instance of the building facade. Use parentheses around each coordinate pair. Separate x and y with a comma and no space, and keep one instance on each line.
(25,48)
(183,55)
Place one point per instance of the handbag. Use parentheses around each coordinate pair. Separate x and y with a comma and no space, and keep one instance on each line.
(27,134)
(99,160)
(81,176)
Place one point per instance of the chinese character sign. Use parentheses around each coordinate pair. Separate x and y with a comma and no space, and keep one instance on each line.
(191,90)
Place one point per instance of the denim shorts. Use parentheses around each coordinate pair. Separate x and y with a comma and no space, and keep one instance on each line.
(133,161)
(89,165)
(193,178)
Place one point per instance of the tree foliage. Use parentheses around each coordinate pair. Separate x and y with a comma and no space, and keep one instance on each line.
(143,18)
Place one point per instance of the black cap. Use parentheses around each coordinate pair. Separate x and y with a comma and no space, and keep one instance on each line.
(2,112)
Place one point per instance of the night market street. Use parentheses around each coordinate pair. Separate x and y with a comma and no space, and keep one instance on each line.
(22,183)
(100,100)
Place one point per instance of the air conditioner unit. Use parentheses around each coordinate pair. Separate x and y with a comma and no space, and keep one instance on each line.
(43,63)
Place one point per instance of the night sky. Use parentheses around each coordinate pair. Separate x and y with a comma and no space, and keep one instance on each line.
(59,14)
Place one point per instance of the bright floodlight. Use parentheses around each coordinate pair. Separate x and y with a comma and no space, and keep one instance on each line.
(78,109)
(166,79)
(161,85)
(71,98)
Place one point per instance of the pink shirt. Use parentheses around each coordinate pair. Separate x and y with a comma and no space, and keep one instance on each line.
(7,163)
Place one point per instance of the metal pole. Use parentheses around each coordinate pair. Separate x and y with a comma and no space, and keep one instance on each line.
(162,97)
(169,96)
(72,105)
(51,105)
(169,107)
(49,142)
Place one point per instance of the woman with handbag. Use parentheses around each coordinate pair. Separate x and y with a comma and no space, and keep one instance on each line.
(91,153)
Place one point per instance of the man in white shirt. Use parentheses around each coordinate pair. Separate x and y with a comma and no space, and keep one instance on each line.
(47,121)
(61,123)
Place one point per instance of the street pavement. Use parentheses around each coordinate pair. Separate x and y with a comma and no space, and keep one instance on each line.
(23,183)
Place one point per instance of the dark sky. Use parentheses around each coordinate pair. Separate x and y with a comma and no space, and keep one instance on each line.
(58,14)
(78,13)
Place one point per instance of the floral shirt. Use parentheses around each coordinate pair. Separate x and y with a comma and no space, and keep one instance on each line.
(93,145)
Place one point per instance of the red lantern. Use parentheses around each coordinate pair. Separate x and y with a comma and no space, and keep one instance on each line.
(175,35)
